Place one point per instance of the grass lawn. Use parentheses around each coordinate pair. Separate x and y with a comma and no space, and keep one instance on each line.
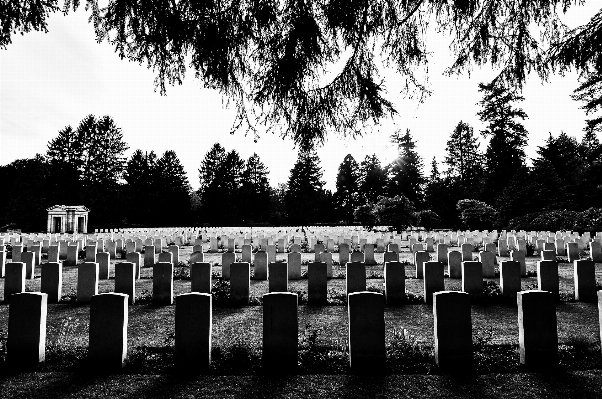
(323,372)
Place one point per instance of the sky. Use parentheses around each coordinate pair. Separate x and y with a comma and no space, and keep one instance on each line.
(51,80)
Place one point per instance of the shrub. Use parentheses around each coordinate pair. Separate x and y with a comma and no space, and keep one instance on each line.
(397,212)
(589,220)
(476,215)
(428,219)
(364,215)
(555,220)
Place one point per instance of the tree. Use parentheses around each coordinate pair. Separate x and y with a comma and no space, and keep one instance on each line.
(209,178)
(464,160)
(255,190)
(476,215)
(439,195)
(397,212)
(347,194)
(589,92)
(141,190)
(270,57)
(405,172)
(372,179)
(174,190)
(505,152)
(304,197)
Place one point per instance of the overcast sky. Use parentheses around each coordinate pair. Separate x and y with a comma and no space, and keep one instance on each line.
(51,80)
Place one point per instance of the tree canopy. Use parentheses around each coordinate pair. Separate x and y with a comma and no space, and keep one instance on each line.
(304,69)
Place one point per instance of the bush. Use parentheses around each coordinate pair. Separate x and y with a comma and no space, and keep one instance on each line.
(428,219)
(476,215)
(588,220)
(560,219)
(397,212)
(364,215)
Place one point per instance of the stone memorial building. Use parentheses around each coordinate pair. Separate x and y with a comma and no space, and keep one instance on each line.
(67,219)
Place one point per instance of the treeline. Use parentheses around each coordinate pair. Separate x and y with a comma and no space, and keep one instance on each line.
(468,188)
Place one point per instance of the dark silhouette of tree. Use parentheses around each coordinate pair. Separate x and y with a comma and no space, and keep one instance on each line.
(464,160)
(439,195)
(142,190)
(347,194)
(505,152)
(405,172)
(174,191)
(210,183)
(589,92)
(255,191)
(372,180)
(305,196)
(270,57)
(396,212)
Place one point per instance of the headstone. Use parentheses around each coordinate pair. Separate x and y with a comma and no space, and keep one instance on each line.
(247,251)
(537,329)
(108,331)
(26,341)
(112,249)
(2,261)
(165,257)
(104,262)
(271,253)
(454,261)
(280,332)
(585,280)
(294,265)
(87,281)
(572,249)
(356,277)
(430,245)
(136,259)
(14,279)
(547,276)
(326,257)
(419,258)
(519,256)
(357,256)
(510,283)
(416,248)
(27,258)
(316,283)
(487,260)
(52,281)
(260,266)
(200,277)
(442,253)
(193,326)
(296,248)
(53,253)
(467,252)
(343,254)
(393,248)
(240,283)
(366,332)
(433,273)
(149,255)
(125,280)
(394,276)
(162,283)
(227,259)
(472,277)
(548,255)
(72,255)
(502,247)
(130,247)
(174,250)
(595,248)
(37,253)
(453,330)
(278,277)
(318,249)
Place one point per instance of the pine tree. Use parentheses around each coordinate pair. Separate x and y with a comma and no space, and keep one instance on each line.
(405,172)
(372,180)
(464,160)
(505,152)
(174,190)
(305,196)
(141,191)
(347,195)
(255,190)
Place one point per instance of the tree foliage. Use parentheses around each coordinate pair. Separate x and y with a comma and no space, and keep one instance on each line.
(464,159)
(304,197)
(476,215)
(396,212)
(405,172)
(347,196)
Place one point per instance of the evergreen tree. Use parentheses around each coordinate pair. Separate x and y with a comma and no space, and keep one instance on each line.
(439,194)
(589,92)
(174,190)
(347,195)
(255,190)
(464,160)
(304,197)
(405,172)
(505,152)
(372,180)
(141,191)
(210,184)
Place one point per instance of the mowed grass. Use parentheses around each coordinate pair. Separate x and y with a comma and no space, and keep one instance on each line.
(409,328)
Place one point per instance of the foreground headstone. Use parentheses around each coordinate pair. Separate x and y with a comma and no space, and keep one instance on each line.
(14,280)
(163,283)
(585,280)
(366,332)
(125,280)
(26,341)
(510,278)
(52,281)
(453,330)
(240,284)
(317,283)
(87,281)
(356,277)
(108,331)
(394,275)
(200,277)
(193,326)
(278,277)
(280,332)
(472,277)
(433,279)
(537,329)
(547,276)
